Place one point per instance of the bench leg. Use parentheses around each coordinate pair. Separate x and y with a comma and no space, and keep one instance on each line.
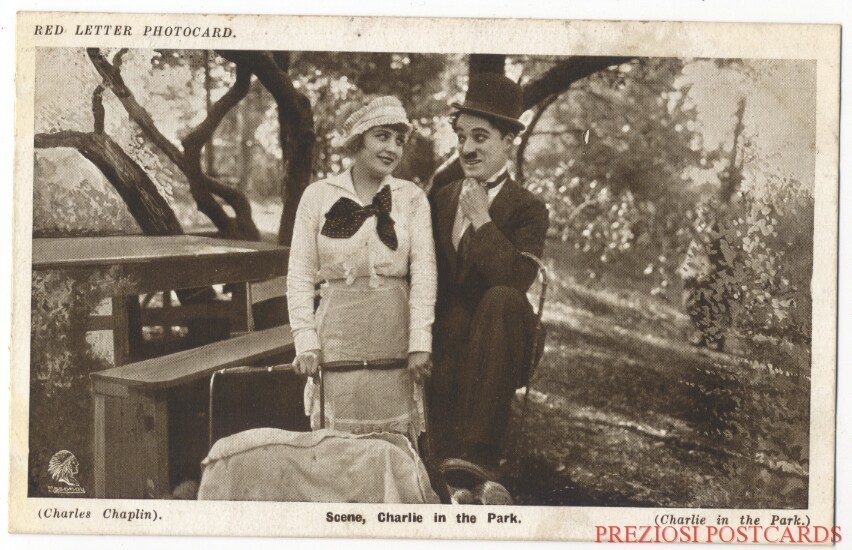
(100,446)
(131,445)
(243,319)
(150,463)
(127,329)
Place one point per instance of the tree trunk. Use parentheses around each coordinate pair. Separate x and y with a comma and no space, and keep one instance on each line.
(418,161)
(143,200)
(296,128)
(486,63)
(209,150)
(249,121)
(733,174)
(525,138)
(202,185)
(146,205)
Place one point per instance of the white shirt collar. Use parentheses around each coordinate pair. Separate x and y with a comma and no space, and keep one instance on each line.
(344,181)
(493,191)
(498,175)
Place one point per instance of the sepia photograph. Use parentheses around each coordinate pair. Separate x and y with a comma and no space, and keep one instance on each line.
(417,276)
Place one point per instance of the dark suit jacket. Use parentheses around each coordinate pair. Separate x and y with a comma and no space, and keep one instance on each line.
(470,389)
(519,224)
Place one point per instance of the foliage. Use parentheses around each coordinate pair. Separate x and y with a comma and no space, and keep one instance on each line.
(627,128)
(247,149)
(610,159)
(771,231)
(622,158)
(70,195)
(60,363)
(337,84)
(72,198)
(622,163)
(675,427)
(418,80)
(741,425)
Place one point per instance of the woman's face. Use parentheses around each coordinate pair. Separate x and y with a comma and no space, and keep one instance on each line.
(381,150)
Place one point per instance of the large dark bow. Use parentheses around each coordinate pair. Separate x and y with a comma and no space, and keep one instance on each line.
(346,217)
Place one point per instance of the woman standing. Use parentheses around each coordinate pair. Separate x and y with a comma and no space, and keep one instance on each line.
(366,238)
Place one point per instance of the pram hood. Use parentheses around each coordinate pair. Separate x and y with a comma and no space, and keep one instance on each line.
(320,466)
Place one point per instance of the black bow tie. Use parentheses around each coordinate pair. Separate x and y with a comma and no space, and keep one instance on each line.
(498,181)
(346,217)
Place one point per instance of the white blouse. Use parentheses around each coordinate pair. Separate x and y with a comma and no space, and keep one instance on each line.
(315,257)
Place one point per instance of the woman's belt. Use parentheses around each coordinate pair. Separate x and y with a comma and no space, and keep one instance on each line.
(376,364)
(363,282)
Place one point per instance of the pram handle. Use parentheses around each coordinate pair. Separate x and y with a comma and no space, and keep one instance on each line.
(274,368)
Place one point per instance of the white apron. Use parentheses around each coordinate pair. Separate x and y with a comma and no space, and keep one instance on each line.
(356,323)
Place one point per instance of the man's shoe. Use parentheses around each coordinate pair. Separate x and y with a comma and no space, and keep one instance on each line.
(462,496)
(492,493)
(463,474)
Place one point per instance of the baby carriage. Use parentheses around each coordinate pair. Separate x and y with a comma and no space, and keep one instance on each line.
(283,462)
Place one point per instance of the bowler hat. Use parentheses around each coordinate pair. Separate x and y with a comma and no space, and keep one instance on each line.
(493,95)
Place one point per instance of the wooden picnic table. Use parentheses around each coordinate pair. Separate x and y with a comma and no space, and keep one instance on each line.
(152,264)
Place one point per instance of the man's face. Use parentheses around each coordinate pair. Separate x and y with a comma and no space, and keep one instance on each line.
(482,150)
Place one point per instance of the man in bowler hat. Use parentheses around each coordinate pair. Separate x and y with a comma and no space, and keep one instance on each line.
(483,322)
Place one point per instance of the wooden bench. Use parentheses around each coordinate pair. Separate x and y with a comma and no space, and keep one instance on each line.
(138,407)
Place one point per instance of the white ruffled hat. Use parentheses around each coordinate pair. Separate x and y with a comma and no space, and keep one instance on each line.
(382,111)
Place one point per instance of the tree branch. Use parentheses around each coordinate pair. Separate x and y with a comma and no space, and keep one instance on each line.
(137,190)
(98,112)
(202,133)
(525,137)
(296,128)
(201,185)
(282,59)
(118,58)
(479,63)
(63,138)
(561,76)
(266,68)
(552,82)
(194,142)
(113,80)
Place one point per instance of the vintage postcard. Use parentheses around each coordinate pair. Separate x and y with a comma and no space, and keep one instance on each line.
(425,278)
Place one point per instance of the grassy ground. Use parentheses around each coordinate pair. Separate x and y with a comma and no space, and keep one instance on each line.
(624,412)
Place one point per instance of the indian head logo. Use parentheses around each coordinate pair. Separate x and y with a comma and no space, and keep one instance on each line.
(63,468)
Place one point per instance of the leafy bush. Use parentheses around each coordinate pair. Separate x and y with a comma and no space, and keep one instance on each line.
(60,363)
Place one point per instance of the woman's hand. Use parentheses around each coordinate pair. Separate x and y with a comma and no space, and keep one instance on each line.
(420,365)
(308,363)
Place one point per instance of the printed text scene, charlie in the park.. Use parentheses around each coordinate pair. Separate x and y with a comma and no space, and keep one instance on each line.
(469,279)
